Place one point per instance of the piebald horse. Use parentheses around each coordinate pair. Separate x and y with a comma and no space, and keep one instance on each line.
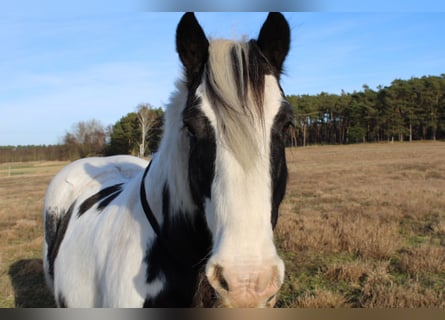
(122,232)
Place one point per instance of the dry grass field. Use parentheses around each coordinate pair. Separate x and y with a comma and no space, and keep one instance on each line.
(361,226)
(364,226)
(22,190)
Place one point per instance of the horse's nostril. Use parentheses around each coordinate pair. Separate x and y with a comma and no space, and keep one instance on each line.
(218,274)
(271,301)
(223,283)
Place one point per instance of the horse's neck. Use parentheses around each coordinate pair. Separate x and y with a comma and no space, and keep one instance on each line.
(182,223)
(167,184)
(168,178)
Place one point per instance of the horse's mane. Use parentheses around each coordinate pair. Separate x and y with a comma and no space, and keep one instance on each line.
(234,84)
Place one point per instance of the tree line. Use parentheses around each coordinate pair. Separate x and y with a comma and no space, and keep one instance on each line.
(137,133)
(406,110)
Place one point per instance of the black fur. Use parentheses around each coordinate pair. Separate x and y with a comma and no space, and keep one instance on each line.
(57,228)
(278,167)
(103,197)
(274,40)
(192,46)
(202,152)
(180,253)
(61,301)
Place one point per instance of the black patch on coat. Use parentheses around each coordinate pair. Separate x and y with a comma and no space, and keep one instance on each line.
(202,154)
(103,197)
(180,253)
(278,167)
(56,228)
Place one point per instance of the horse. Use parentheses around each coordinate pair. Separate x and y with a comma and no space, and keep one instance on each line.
(120,231)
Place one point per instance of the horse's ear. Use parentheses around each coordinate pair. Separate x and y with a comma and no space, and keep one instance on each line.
(191,45)
(274,40)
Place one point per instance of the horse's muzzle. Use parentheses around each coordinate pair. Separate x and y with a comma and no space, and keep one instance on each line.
(237,287)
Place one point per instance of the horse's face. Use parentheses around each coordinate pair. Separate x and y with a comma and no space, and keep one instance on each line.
(234,123)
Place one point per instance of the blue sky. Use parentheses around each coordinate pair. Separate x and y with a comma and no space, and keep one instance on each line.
(61,64)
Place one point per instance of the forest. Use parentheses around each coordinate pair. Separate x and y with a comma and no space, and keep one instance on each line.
(409,110)
(406,110)
(137,133)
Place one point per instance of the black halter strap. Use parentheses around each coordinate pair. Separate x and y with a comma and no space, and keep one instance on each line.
(147,210)
(155,225)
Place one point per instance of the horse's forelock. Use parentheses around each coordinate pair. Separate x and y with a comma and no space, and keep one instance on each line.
(234,83)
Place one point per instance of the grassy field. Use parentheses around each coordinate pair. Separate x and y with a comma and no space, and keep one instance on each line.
(361,226)
(364,226)
(22,190)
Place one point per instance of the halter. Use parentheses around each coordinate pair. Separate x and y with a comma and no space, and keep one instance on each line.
(146,207)
(154,223)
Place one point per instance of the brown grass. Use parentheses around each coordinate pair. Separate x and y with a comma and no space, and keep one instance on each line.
(418,259)
(22,189)
(361,226)
(320,298)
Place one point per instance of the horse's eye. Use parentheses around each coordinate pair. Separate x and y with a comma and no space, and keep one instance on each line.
(189,130)
(288,126)
(190,133)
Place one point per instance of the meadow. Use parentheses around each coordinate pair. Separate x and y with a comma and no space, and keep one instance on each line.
(361,226)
